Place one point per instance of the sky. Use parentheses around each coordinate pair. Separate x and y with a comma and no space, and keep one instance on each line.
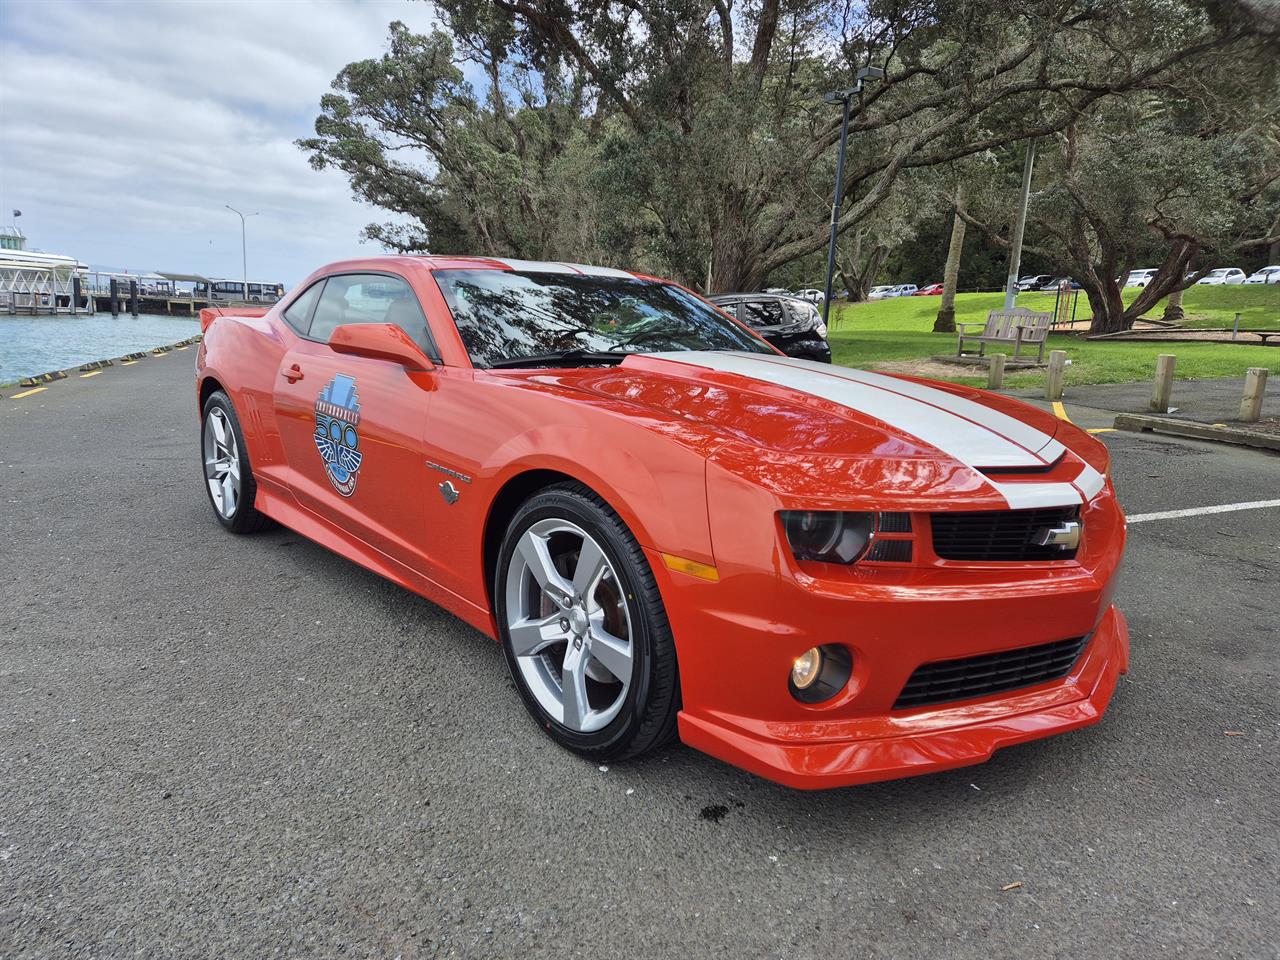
(126,127)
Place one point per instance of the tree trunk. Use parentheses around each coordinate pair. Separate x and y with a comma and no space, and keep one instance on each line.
(946,321)
(1173,307)
(1108,307)
(733,268)
(856,274)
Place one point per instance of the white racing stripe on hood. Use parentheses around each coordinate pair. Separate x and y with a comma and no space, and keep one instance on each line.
(1023,434)
(932,416)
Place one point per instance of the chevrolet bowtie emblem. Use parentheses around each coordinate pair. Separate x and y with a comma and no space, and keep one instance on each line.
(1066,536)
(449,492)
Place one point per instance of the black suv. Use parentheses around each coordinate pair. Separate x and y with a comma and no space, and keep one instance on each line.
(792,325)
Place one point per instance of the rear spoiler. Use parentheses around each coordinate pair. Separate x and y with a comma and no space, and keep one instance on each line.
(209,314)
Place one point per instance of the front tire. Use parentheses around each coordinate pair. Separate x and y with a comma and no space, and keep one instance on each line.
(583,627)
(227,473)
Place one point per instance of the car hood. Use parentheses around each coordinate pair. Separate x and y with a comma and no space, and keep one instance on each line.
(801,425)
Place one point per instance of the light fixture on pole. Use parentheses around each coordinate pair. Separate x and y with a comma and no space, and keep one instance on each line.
(841,97)
(244,257)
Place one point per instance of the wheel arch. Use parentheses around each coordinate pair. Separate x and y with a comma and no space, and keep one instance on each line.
(515,491)
(208,386)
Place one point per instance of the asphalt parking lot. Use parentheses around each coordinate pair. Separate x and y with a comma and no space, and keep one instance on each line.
(223,746)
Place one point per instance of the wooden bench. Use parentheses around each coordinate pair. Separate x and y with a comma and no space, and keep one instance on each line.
(1263,335)
(1018,327)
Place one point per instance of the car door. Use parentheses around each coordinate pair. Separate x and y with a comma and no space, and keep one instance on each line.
(351,427)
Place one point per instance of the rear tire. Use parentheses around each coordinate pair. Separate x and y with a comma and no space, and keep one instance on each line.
(583,627)
(228,475)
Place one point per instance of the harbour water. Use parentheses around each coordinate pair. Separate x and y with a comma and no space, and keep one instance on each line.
(31,345)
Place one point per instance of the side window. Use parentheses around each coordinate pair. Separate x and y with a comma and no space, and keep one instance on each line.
(762,313)
(299,312)
(731,308)
(798,312)
(370,298)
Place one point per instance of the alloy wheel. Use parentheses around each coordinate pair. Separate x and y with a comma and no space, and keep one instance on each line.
(222,462)
(569,625)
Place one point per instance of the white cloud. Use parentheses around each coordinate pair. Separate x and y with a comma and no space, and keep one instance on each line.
(125,127)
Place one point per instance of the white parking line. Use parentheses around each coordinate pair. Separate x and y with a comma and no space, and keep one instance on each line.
(1197,511)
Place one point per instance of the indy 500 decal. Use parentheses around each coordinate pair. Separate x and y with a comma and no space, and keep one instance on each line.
(337,436)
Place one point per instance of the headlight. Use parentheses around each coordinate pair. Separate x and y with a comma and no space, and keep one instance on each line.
(821,330)
(828,536)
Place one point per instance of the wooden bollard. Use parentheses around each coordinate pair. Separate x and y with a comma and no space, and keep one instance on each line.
(1163,387)
(1057,375)
(995,371)
(1255,388)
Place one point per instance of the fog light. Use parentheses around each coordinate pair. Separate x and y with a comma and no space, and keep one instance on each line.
(820,673)
(805,671)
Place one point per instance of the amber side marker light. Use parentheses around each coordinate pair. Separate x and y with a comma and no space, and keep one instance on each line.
(703,571)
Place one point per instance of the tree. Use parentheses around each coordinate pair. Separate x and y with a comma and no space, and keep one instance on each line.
(706,120)
(1176,176)
(946,319)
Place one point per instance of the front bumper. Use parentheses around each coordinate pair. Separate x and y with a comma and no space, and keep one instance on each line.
(737,638)
(939,739)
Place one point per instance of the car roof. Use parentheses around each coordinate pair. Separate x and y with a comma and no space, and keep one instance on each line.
(452,262)
(747,293)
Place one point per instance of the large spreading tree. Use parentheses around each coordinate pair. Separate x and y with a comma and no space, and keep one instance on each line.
(689,137)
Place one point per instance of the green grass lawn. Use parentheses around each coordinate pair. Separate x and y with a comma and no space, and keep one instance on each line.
(864,334)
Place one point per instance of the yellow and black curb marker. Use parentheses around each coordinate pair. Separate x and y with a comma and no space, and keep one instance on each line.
(40,378)
(34,384)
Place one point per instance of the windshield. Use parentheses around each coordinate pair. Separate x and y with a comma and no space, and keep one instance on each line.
(504,316)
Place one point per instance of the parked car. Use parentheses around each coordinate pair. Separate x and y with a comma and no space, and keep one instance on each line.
(932,290)
(1265,275)
(879,293)
(1140,277)
(1223,276)
(792,325)
(902,290)
(1035,282)
(1056,282)
(810,294)
(778,291)
(821,575)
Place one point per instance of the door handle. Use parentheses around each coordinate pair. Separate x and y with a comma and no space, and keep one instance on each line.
(293,374)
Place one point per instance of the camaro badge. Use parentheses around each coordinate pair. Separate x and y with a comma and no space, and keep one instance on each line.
(337,417)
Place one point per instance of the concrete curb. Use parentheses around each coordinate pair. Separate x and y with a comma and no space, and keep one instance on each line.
(1139,423)
(40,379)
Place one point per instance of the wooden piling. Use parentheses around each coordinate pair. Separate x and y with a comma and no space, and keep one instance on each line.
(995,371)
(1163,386)
(1054,382)
(115,298)
(133,298)
(1255,388)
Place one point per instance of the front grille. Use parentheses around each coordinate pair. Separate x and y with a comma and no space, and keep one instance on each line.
(894,523)
(890,551)
(945,680)
(999,534)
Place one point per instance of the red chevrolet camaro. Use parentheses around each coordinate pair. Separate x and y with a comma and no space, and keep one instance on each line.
(822,575)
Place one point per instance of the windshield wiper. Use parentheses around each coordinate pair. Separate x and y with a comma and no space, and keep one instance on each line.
(558,358)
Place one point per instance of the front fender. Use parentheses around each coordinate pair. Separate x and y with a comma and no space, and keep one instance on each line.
(657,487)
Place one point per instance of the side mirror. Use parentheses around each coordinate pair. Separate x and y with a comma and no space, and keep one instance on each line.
(379,341)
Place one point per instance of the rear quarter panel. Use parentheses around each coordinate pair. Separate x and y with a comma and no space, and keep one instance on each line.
(242,354)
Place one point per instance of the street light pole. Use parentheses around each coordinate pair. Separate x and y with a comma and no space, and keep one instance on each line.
(244,256)
(1019,229)
(842,97)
